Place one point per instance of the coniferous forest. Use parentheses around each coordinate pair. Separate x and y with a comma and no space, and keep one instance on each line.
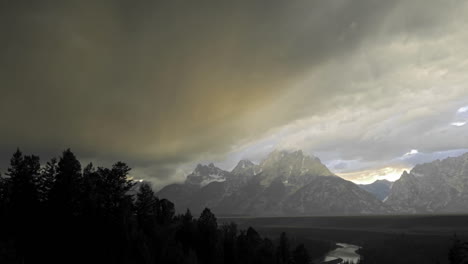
(60,212)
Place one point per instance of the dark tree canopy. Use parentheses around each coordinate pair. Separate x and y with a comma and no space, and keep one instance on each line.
(61,213)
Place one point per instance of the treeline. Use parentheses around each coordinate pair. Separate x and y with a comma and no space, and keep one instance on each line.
(61,213)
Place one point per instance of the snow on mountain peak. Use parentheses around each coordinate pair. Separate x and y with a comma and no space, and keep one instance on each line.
(205,174)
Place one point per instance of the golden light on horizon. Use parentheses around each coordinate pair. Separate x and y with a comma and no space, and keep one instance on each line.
(371,175)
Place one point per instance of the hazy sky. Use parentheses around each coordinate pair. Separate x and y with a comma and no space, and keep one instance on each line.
(370,87)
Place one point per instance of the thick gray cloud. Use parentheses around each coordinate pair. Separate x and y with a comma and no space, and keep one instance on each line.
(166,83)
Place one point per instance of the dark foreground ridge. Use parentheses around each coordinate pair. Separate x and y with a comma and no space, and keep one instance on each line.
(60,213)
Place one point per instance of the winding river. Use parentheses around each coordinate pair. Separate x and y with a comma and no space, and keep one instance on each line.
(345,252)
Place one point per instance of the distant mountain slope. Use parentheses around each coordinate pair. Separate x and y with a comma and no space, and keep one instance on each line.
(332,196)
(379,188)
(284,183)
(440,186)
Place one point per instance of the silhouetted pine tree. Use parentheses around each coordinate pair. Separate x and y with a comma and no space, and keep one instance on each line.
(208,229)
(145,201)
(458,253)
(23,203)
(115,185)
(252,242)
(266,252)
(91,196)
(166,212)
(186,232)
(300,255)
(4,197)
(23,173)
(65,193)
(229,234)
(47,179)
(282,252)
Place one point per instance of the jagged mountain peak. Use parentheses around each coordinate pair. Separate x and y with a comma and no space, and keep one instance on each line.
(438,166)
(289,156)
(434,187)
(278,154)
(200,168)
(405,175)
(245,163)
(245,167)
(205,174)
(292,167)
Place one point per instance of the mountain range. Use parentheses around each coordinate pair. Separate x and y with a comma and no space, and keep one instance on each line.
(293,184)
(440,186)
(284,183)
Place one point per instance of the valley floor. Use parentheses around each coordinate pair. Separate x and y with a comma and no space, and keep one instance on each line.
(384,239)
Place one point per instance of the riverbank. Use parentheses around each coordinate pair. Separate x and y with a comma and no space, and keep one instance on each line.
(344,253)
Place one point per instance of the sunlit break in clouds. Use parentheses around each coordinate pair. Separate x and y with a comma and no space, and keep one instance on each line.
(369,176)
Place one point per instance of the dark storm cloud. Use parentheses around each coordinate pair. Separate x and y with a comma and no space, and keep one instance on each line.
(159,83)
(158,79)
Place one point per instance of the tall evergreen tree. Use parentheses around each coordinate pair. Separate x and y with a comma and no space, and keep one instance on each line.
(4,197)
(458,253)
(3,188)
(91,191)
(47,179)
(65,192)
(119,184)
(282,252)
(266,252)
(144,200)
(23,174)
(145,204)
(166,212)
(207,226)
(185,233)
(229,232)
(300,255)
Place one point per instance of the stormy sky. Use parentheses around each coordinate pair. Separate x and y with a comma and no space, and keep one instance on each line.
(370,87)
